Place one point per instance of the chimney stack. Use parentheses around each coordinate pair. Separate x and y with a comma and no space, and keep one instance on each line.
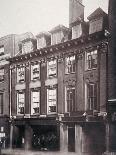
(76,11)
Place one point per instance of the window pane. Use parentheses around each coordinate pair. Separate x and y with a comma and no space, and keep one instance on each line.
(1,103)
(20,102)
(52,68)
(70,65)
(70,96)
(91,60)
(51,100)
(35,102)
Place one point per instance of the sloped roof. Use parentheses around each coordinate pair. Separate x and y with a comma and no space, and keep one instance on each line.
(59,27)
(43,33)
(97,13)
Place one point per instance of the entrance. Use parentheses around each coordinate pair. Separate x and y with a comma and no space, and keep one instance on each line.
(45,137)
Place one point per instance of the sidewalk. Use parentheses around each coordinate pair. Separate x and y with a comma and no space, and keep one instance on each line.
(25,152)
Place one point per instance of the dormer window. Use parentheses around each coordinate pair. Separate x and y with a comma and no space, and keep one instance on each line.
(96,25)
(1,50)
(41,42)
(57,37)
(76,31)
(27,47)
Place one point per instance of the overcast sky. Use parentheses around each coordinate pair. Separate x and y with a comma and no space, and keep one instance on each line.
(20,16)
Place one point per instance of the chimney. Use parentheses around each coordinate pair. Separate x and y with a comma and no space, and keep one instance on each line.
(76,11)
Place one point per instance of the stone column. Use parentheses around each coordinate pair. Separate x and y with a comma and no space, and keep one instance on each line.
(63,138)
(28,137)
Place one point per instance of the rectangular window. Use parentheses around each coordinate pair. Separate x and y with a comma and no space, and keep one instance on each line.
(57,37)
(35,101)
(96,25)
(51,100)
(70,99)
(70,65)
(1,103)
(1,75)
(76,31)
(52,68)
(35,71)
(91,96)
(91,60)
(21,74)
(20,102)
(1,50)
(27,47)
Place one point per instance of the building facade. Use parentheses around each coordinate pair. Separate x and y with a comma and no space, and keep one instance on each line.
(58,90)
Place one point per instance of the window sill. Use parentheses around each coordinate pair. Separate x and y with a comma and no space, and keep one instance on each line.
(90,69)
(70,73)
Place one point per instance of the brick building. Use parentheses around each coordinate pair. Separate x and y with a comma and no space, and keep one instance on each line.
(9,47)
(58,87)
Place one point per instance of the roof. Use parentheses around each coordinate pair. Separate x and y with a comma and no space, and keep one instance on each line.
(59,28)
(97,13)
(44,33)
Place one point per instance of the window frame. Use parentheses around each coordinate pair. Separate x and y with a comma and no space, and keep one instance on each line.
(54,100)
(89,61)
(49,68)
(72,66)
(32,102)
(67,104)
(32,74)
(19,79)
(2,51)
(2,75)
(91,99)
(2,104)
(18,93)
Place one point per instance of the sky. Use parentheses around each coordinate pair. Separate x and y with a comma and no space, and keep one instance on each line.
(20,16)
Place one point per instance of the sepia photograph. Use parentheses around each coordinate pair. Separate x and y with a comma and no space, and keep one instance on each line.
(58,77)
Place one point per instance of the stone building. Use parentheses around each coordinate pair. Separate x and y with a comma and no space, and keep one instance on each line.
(58,87)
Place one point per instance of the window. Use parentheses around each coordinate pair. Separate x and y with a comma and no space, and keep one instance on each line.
(52,68)
(1,75)
(1,50)
(35,71)
(1,103)
(21,74)
(76,31)
(51,100)
(57,37)
(91,60)
(70,99)
(35,101)
(70,65)
(96,25)
(91,96)
(41,42)
(20,102)
(27,47)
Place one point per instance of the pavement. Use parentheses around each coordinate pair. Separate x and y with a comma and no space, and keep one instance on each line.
(25,152)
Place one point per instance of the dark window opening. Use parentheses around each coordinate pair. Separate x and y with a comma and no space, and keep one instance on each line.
(71,139)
